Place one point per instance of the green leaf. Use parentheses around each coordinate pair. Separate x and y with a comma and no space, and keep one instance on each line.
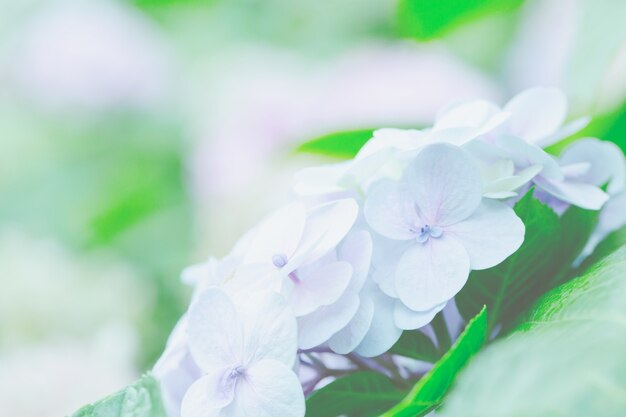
(344,145)
(141,399)
(428,19)
(577,225)
(416,345)
(517,282)
(566,360)
(430,390)
(361,394)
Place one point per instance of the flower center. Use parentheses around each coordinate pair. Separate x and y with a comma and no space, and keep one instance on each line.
(226,386)
(236,372)
(426,232)
(279,260)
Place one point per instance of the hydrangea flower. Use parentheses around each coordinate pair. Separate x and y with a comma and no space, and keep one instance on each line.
(246,349)
(555,182)
(400,228)
(438,206)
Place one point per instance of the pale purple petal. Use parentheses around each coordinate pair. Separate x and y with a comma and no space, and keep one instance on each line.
(269,389)
(319,326)
(348,338)
(408,319)
(430,274)
(269,326)
(445,184)
(383,333)
(215,332)
(321,287)
(390,210)
(536,113)
(279,234)
(490,235)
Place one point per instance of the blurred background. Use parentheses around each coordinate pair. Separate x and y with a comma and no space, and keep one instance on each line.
(140,136)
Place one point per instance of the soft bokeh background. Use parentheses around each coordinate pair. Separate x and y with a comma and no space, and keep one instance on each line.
(139,136)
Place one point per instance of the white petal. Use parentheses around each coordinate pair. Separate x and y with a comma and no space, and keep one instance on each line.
(356,249)
(390,210)
(537,113)
(269,326)
(326,226)
(490,235)
(348,338)
(317,327)
(408,319)
(613,215)
(269,389)
(565,131)
(606,160)
(445,184)
(579,194)
(279,234)
(215,332)
(319,180)
(320,287)
(525,155)
(432,273)
(204,399)
(473,114)
(383,333)
(253,277)
(387,138)
(385,259)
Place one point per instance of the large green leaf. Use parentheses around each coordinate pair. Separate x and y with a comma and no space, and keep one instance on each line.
(141,399)
(416,345)
(430,390)
(428,19)
(567,360)
(517,281)
(344,145)
(361,394)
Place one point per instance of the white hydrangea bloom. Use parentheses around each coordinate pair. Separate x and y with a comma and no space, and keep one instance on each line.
(402,226)
(438,206)
(246,349)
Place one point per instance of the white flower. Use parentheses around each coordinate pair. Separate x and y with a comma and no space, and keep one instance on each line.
(561,184)
(535,115)
(344,322)
(438,206)
(603,164)
(288,253)
(176,370)
(605,161)
(389,150)
(246,348)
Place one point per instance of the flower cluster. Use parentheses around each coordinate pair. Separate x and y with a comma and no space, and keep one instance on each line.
(375,246)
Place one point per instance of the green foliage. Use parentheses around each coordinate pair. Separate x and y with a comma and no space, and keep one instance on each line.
(577,225)
(141,399)
(543,261)
(116,185)
(416,345)
(430,390)
(566,360)
(429,19)
(518,281)
(361,394)
(344,145)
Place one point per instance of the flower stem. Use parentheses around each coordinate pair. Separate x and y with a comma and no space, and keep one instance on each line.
(441,332)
